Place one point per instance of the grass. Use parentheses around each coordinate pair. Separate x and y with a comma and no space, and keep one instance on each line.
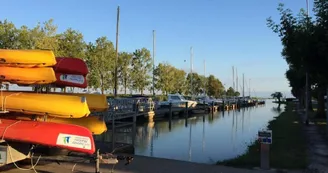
(288,150)
(321,123)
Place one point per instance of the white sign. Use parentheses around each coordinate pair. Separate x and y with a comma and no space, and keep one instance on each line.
(74,141)
(77,79)
(3,157)
(265,137)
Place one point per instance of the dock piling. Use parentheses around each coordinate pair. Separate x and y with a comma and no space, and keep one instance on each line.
(204,107)
(170,111)
(186,111)
(212,107)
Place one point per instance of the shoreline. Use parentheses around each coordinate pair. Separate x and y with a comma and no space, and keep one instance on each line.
(287,148)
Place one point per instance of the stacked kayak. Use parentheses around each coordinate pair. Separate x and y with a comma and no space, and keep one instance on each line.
(71,72)
(50,119)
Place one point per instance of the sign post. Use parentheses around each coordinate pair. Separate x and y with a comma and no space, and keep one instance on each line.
(265,138)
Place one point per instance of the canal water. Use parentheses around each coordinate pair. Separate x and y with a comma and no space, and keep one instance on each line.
(205,138)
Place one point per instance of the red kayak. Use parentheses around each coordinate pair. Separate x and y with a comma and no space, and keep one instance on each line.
(68,136)
(71,66)
(70,80)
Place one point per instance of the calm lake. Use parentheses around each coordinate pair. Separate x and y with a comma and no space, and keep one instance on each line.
(205,138)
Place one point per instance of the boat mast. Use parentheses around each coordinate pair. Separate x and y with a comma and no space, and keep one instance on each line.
(153,62)
(205,77)
(191,67)
(243,86)
(249,87)
(233,78)
(237,81)
(116,58)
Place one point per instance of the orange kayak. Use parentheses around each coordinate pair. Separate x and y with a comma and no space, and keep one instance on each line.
(27,58)
(27,76)
(94,123)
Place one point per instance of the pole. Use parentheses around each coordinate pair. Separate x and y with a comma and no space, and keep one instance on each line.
(191,66)
(243,86)
(153,62)
(249,87)
(307,80)
(233,78)
(205,77)
(237,80)
(116,59)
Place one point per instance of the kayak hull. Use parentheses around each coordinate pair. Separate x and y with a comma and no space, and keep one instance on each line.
(27,58)
(95,102)
(55,105)
(69,65)
(70,80)
(27,76)
(94,123)
(67,136)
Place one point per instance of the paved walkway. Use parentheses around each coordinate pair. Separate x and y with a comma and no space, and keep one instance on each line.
(318,148)
(140,164)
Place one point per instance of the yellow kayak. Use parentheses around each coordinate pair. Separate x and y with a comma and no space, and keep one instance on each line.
(27,58)
(96,102)
(94,123)
(27,76)
(44,104)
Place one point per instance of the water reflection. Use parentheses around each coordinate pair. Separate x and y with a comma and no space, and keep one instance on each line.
(226,135)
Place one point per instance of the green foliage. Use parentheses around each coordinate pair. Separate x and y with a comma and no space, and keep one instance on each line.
(231,92)
(124,70)
(71,44)
(100,56)
(141,66)
(277,95)
(214,87)
(134,68)
(305,43)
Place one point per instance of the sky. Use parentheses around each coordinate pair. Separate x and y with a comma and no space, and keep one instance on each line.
(223,33)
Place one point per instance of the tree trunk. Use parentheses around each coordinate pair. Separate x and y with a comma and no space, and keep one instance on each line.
(102,84)
(125,86)
(310,108)
(321,102)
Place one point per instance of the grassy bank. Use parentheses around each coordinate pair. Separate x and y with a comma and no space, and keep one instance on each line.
(288,150)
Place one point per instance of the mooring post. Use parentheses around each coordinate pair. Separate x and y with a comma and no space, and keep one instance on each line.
(97,162)
(204,106)
(170,111)
(134,125)
(265,138)
(113,125)
(212,107)
(186,110)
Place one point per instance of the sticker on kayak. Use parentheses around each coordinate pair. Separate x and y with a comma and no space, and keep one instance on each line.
(74,141)
(78,79)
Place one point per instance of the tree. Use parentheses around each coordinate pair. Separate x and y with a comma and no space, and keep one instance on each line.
(141,66)
(124,69)
(194,82)
(71,44)
(277,95)
(214,87)
(230,92)
(45,37)
(164,74)
(298,38)
(8,35)
(99,59)
(179,81)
